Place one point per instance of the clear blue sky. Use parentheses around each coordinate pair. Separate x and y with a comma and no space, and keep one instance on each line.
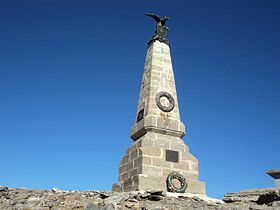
(70,75)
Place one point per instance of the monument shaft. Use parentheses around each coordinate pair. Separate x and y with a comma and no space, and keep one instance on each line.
(158,148)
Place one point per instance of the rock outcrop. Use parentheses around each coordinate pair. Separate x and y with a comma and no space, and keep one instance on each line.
(27,199)
(269,197)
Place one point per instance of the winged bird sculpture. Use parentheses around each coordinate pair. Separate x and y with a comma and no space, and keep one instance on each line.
(161,29)
(160,21)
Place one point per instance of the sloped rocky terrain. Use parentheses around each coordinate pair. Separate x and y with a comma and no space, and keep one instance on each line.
(27,199)
(267,197)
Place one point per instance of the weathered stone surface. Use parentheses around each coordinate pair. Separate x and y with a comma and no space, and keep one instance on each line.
(258,196)
(275,204)
(158,149)
(155,197)
(3,188)
(19,199)
(158,77)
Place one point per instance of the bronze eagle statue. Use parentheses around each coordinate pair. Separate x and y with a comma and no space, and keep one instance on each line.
(161,29)
(160,21)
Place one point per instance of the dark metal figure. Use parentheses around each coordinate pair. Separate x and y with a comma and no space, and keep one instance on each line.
(157,18)
(161,29)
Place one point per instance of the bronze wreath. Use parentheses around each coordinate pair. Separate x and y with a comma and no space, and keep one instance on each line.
(170,99)
(170,185)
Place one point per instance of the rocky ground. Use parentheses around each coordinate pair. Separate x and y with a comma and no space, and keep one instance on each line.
(26,199)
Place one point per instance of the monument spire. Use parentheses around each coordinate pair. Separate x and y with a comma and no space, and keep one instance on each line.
(158,153)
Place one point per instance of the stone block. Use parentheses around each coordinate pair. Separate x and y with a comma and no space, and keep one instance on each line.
(192,166)
(134,172)
(188,156)
(161,143)
(155,67)
(133,147)
(124,160)
(146,160)
(167,171)
(150,151)
(160,162)
(150,121)
(139,142)
(152,171)
(193,175)
(133,154)
(161,123)
(181,166)
(129,166)
(163,75)
(156,78)
(167,61)
(122,169)
(145,142)
(124,176)
(195,187)
(137,162)
(178,146)
(154,183)
(173,125)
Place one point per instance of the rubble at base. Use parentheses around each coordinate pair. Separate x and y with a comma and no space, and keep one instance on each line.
(26,199)
(267,197)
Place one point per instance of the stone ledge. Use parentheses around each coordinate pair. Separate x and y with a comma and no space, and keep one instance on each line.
(155,124)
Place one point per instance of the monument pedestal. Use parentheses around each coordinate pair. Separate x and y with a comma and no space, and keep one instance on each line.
(152,158)
(158,148)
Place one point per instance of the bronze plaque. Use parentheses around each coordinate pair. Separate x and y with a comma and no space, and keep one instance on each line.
(172,156)
(140,115)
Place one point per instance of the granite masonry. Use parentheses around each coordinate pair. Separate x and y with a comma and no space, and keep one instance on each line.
(158,148)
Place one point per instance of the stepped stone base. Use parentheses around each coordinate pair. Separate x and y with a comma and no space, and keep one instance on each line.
(145,165)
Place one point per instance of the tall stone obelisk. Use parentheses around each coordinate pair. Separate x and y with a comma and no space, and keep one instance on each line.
(158,148)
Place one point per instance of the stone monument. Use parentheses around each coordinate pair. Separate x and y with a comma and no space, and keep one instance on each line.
(158,149)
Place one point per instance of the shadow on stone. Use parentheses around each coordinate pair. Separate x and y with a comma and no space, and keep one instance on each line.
(268,198)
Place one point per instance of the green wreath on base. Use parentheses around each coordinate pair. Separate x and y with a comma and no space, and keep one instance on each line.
(180,178)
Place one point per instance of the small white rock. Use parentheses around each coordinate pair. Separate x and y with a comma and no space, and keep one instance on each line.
(55,189)
(33,199)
